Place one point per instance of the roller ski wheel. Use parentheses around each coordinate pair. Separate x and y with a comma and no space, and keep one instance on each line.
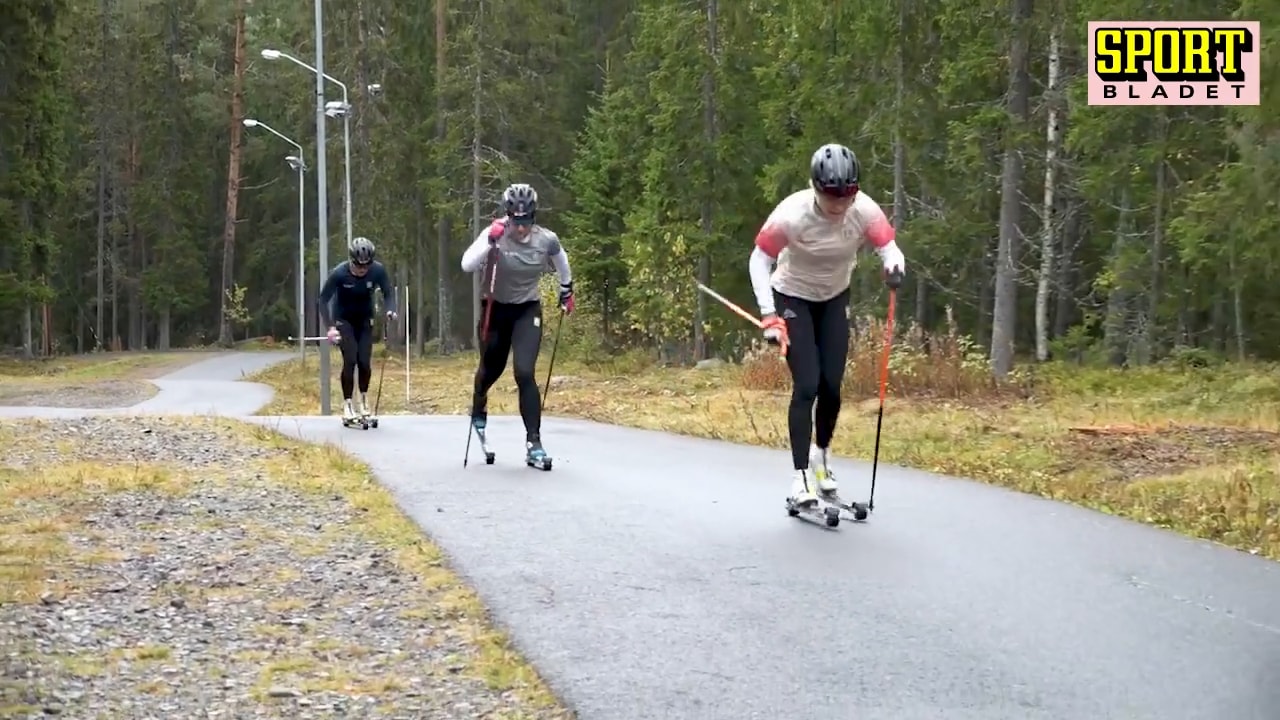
(536,457)
(828,514)
(857,509)
(355,422)
(479,428)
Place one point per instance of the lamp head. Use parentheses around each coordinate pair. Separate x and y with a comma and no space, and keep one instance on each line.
(250,122)
(269,54)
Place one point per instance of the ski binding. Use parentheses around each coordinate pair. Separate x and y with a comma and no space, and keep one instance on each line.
(542,461)
(829,514)
(489,456)
(362,422)
(858,509)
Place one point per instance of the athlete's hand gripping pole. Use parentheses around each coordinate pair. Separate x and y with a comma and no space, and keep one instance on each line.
(780,338)
(894,281)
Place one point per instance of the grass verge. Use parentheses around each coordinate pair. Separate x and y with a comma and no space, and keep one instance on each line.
(1194,449)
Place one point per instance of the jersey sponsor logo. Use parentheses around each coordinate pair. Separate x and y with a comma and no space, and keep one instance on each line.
(1174,63)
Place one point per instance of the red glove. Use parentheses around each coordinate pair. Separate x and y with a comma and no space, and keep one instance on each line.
(775,330)
(496,230)
(566,298)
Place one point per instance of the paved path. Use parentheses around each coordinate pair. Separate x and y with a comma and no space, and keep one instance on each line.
(655,576)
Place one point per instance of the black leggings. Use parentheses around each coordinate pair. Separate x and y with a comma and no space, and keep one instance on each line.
(818,333)
(514,329)
(357,351)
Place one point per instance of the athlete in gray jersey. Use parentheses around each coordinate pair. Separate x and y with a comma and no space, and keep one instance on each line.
(512,255)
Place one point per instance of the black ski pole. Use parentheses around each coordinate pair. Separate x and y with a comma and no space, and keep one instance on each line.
(382,372)
(484,336)
(554,346)
(894,281)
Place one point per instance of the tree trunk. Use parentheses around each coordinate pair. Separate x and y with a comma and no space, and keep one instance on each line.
(900,144)
(99,340)
(1050,221)
(711,132)
(233,179)
(477,127)
(442,222)
(1005,312)
(1116,324)
(1151,339)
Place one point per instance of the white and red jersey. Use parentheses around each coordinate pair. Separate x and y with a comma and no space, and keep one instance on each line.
(816,254)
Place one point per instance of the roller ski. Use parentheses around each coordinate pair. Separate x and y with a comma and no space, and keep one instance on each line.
(803,501)
(828,489)
(535,456)
(366,416)
(478,425)
(351,418)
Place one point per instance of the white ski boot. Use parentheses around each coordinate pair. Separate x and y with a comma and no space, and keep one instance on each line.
(362,409)
(349,415)
(826,480)
(803,500)
(802,494)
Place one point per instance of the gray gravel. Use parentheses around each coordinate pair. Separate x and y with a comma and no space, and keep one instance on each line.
(234,598)
(97,395)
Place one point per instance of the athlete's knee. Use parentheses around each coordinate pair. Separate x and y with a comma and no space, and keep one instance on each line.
(365,367)
(829,389)
(524,374)
(804,390)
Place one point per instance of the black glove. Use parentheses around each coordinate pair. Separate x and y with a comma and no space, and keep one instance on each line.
(893,278)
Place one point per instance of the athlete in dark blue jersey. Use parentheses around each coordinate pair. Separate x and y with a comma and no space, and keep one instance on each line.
(347,308)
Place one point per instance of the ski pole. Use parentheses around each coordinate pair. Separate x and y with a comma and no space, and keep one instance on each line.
(554,346)
(894,281)
(743,313)
(317,338)
(484,336)
(382,370)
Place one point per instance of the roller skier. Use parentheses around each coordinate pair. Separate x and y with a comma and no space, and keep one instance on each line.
(512,254)
(347,308)
(801,268)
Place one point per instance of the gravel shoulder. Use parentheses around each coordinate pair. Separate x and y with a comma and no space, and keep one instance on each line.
(104,380)
(204,568)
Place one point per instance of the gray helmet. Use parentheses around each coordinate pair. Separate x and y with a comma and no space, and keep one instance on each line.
(834,170)
(361,251)
(520,201)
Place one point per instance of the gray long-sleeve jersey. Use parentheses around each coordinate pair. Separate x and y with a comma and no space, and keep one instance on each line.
(520,263)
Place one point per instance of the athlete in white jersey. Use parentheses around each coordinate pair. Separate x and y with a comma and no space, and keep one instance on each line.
(813,236)
(519,252)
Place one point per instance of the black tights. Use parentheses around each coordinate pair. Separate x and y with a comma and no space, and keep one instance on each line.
(818,333)
(514,329)
(357,352)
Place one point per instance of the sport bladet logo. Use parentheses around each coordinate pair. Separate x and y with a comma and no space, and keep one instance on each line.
(1174,63)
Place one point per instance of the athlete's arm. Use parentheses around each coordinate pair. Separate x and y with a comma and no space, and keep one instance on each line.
(881,235)
(770,242)
(560,259)
(388,290)
(326,296)
(474,257)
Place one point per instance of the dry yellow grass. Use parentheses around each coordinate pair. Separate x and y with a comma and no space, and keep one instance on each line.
(1199,452)
(42,506)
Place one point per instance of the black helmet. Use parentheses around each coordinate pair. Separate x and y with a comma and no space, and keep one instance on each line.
(361,251)
(834,170)
(520,201)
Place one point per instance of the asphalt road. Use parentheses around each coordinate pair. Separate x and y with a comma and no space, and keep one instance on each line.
(656,576)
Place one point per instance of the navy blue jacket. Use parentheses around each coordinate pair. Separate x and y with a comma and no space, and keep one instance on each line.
(350,298)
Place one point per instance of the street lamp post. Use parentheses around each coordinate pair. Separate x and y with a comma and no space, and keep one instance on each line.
(299,166)
(332,109)
(322,194)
